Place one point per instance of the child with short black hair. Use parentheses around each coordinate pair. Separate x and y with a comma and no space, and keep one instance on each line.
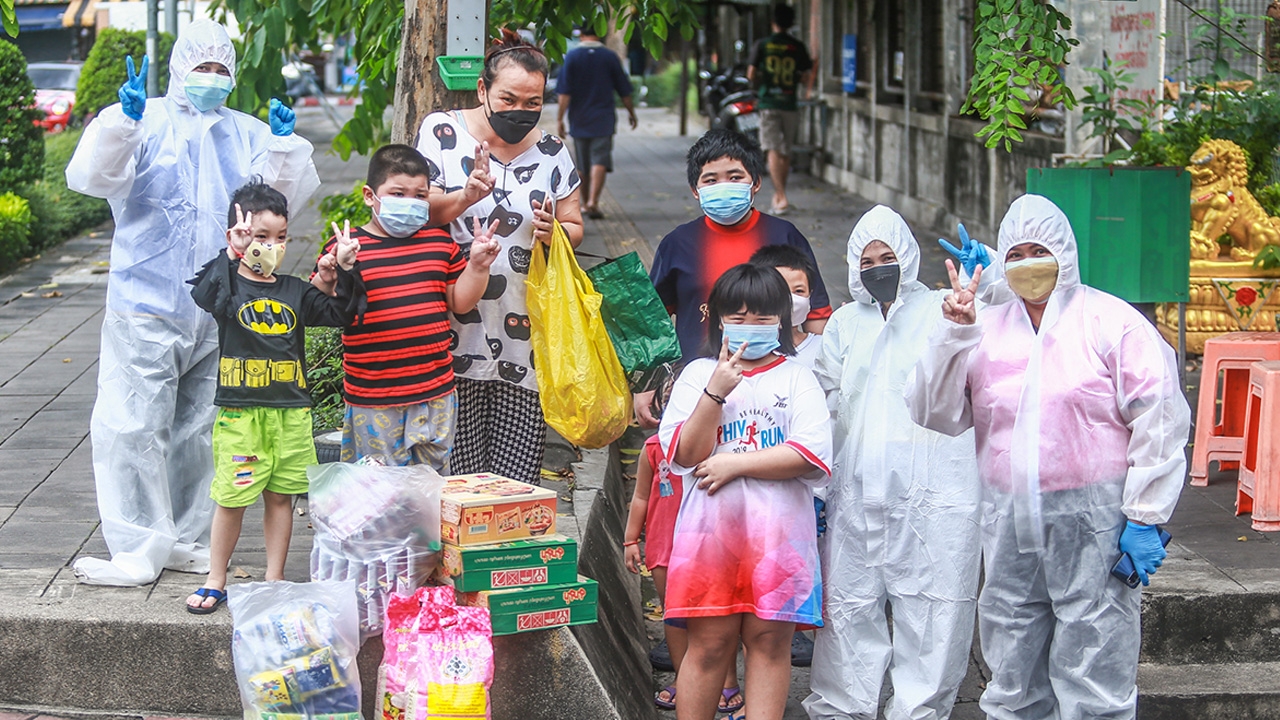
(724,169)
(749,432)
(262,441)
(399,384)
(799,273)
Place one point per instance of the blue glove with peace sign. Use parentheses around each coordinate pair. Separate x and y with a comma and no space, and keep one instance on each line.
(281,118)
(133,93)
(970,254)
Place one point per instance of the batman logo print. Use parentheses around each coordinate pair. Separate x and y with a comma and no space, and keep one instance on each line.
(267,317)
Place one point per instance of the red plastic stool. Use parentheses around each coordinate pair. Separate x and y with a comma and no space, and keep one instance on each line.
(1258,490)
(1224,389)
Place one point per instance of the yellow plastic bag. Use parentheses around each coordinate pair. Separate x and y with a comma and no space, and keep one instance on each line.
(585,396)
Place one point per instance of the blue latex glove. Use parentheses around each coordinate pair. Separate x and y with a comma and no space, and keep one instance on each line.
(281,118)
(971,253)
(820,512)
(1142,544)
(133,93)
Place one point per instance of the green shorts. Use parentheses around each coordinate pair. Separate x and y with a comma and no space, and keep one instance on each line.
(260,448)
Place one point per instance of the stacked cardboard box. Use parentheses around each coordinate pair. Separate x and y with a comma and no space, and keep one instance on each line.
(502,552)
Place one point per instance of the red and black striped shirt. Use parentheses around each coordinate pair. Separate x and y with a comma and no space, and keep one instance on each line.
(398,352)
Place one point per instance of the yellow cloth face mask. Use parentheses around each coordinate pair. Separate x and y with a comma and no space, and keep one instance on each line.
(263,258)
(1032,279)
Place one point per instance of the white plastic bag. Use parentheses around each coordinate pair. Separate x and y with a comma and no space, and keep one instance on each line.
(376,526)
(294,646)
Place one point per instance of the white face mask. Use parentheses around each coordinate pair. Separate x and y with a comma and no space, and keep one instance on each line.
(799,309)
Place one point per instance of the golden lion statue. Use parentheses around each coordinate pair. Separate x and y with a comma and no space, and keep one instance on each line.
(1221,204)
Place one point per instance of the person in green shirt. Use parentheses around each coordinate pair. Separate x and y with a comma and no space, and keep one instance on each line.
(780,64)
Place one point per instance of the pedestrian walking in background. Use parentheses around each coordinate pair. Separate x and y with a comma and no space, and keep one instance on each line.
(1081,426)
(492,163)
(591,75)
(780,64)
(169,165)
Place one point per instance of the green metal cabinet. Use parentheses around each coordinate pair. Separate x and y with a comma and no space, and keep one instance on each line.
(1132,225)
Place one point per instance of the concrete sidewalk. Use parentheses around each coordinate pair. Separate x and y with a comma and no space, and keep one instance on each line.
(51,310)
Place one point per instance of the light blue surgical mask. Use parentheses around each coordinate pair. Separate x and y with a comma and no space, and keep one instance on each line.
(760,339)
(726,203)
(207,91)
(402,217)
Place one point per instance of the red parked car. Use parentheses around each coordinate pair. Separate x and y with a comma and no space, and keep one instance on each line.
(55,92)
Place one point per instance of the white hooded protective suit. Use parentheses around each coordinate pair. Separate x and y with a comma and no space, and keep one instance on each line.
(1079,425)
(169,178)
(902,509)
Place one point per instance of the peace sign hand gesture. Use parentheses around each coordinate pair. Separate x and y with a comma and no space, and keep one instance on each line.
(959,307)
(133,93)
(479,183)
(345,247)
(241,234)
(728,372)
(484,246)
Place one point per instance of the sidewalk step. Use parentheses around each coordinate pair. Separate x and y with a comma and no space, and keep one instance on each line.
(1239,691)
(1223,627)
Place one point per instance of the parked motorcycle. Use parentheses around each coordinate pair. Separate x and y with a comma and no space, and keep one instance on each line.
(729,101)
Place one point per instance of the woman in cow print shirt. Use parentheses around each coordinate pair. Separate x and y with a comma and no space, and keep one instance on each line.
(492,162)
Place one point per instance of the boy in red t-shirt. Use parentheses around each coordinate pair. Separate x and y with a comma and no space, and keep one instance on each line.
(399,371)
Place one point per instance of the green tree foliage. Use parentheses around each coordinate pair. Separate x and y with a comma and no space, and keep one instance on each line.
(9,15)
(15,228)
(273,29)
(57,212)
(1017,44)
(21,141)
(104,70)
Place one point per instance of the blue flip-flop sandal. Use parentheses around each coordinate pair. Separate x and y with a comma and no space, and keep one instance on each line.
(219,597)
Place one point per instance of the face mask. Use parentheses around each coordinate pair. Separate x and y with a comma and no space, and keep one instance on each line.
(760,339)
(799,309)
(1033,278)
(512,125)
(402,217)
(207,91)
(882,282)
(726,203)
(263,258)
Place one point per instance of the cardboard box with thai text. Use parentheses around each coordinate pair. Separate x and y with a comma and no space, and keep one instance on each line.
(537,608)
(485,508)
(549,560)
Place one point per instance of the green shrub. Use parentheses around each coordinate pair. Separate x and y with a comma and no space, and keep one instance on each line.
(324,377)
(15,228)
(57,212)
(21,146)
(664,87)
(324,345)
(104,70)
(344,206)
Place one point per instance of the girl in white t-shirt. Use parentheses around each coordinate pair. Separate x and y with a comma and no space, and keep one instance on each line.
(749,432)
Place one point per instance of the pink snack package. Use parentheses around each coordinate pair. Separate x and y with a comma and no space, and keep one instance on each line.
(438,658)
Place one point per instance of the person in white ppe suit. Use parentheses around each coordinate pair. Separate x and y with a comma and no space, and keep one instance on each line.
(1081,425)
(168,166)
(902,506)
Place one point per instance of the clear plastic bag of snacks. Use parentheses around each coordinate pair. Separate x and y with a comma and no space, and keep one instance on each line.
(376,526)
(438,658)
(294,646)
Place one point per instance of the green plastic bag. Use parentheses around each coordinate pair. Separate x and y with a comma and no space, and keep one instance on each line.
(638,323)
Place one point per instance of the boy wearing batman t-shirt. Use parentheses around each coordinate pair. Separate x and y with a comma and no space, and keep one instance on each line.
(262,441)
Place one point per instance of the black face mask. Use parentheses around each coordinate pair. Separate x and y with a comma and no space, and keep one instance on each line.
(512,125)
(882,282)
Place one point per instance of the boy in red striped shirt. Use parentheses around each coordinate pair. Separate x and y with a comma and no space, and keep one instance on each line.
(399,375)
